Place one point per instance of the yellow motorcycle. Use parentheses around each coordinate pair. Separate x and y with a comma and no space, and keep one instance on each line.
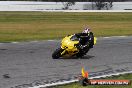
(70,47)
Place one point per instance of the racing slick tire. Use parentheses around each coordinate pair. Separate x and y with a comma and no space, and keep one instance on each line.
(82,52)
(57,53)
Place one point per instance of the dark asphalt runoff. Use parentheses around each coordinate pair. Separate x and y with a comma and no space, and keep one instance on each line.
(30,63)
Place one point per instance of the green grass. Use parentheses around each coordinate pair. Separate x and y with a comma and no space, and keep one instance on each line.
(77,85)
(27,26)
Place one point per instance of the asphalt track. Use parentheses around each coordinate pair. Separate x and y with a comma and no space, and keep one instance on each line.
(29,63)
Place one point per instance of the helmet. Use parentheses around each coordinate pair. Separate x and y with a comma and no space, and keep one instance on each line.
(86,30)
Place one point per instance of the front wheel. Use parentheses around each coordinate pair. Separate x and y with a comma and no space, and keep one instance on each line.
(57,53)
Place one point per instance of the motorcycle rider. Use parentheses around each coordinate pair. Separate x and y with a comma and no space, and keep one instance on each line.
(86,38)
(90,36)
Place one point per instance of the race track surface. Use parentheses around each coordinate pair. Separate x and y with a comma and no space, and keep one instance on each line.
(30,63)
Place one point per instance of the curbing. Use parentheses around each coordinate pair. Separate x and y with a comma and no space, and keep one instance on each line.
(76,80)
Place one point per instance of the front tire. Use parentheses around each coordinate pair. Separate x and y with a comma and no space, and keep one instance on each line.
(57,53)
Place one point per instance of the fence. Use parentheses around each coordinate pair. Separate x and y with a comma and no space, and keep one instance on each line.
(45,6)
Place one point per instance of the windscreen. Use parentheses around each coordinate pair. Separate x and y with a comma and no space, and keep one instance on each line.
(74,38)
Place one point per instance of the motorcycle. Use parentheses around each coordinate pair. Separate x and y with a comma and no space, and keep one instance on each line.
(70,47)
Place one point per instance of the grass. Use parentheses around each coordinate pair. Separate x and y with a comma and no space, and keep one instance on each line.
(77,85)
(27,26)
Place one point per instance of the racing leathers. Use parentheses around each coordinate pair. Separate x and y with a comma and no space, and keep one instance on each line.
(85,40)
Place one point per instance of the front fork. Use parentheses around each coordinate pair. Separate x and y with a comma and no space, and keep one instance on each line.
(63,52)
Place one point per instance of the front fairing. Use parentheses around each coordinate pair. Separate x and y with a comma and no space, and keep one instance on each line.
(69,44)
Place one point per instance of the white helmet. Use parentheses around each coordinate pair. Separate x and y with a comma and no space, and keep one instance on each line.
(86,30)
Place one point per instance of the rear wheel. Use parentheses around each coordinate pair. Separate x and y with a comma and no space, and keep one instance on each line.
(83,52)
(57,53)
(79,55)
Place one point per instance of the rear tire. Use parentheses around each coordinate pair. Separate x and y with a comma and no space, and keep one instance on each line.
(57,53)
(81,53)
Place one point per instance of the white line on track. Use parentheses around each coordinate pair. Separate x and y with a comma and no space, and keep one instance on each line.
(106,37)
(76,80)
(51,40)
(34,41)
(56,40)
(121,36)
(118,36)
(14,42)
(115,37)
